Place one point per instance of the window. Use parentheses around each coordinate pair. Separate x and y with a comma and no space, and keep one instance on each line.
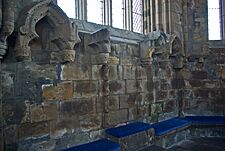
(123,14)
(214,20)
(68,7)
(118,13)
(137,16)
(95,11)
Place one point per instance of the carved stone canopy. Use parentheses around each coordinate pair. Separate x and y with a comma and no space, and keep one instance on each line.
(152,44)
(65,34)
(176,52)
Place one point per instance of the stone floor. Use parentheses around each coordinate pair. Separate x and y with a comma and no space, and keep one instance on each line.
(194,144)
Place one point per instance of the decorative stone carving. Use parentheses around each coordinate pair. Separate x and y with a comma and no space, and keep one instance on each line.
(153,41)
(63,56)
(7,24)
(176,52)
(65,34)
(157,38)
(98,45)
(101,39)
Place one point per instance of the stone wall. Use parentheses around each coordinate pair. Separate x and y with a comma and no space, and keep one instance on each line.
(205,84)
(65,81)
(203,72)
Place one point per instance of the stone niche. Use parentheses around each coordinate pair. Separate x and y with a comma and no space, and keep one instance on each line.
(176,53)
(45,34)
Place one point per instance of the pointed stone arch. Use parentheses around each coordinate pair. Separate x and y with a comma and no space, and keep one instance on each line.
(176,52)
(65,32)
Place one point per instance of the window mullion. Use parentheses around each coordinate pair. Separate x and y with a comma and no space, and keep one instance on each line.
(107,12)
(131,15)
(76,3)
(128,14)
(83,12)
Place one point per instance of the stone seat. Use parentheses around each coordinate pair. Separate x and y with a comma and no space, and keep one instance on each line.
(129,129)
(170,125)
(99,145)
(206,120)
(131,136)
(172,131)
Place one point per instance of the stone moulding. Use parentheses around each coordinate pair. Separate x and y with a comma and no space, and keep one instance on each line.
(65,33)
(157,43)
(7,26)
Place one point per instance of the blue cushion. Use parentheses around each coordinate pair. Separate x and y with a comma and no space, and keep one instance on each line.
(128,129)
(167,126)
(99,145)
(206,120)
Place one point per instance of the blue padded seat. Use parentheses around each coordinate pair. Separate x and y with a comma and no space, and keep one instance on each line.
(99,145)
(129,129)
(206,120)
(170,125)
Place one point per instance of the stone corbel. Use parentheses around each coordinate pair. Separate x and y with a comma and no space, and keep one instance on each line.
(99,42)
(65,42)
(7,25)
(152,45)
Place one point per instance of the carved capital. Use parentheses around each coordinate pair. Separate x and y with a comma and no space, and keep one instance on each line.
(65,34)
(152,44)
(101,40)
(3,48)
(62,56)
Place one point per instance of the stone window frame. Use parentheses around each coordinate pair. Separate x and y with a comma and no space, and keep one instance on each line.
(107,19)
(222,20)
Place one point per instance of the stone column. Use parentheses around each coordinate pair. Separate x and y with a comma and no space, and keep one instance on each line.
(7,27)
(153,15)
(7,24)
(156,15)
(128,15)
(107,15)
(147,17)
(105,85)
(165,16)
(178,83)
(100,41)
(158,6)
(81,9)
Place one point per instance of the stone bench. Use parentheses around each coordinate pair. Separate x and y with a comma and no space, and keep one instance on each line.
(207,126)
(206,120)
(99,145)
(131,136)
(138,134)
(172,131)
(170,126)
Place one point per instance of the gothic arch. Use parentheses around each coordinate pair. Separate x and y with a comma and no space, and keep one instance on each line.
(176,52)
(65,33)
